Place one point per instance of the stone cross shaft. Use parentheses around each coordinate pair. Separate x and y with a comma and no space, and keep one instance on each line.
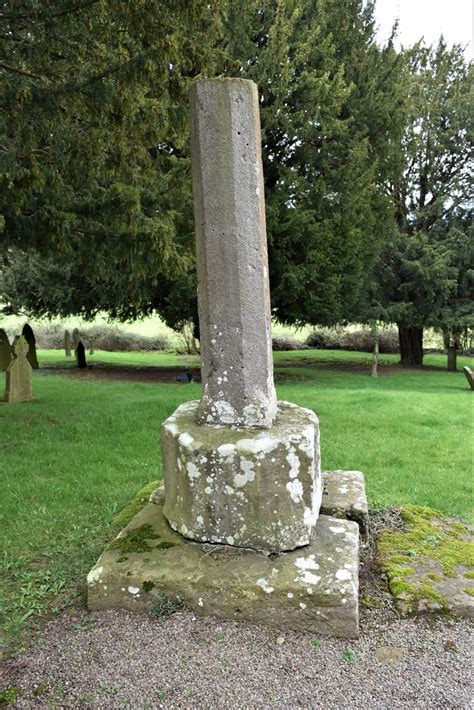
(232,262)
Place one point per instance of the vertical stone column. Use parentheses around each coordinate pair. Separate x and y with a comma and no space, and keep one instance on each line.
(232,262)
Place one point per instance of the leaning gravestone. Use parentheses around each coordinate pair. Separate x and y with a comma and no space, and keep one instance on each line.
(27,332)
(67,343)
(469,376)
(5,350)
(18,374)
(236,532)
(80,352)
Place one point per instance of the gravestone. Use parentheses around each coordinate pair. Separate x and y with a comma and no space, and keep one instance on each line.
(27,332)
(91,346)
(469,376)
(5,350)
(236,530)
(67,343)
(75,338)
(80,353)
(18,374)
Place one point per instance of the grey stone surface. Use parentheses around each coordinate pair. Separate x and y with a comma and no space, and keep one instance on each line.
(5,350)
(67,343)
(310,589)
(232,263)
(29,336)
(344,497)
(18,374)
(243,487)
(469,376)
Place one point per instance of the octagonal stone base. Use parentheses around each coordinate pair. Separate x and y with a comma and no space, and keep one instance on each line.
(243,487)
(312,589)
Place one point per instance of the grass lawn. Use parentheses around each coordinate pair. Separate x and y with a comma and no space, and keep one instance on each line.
(75,456)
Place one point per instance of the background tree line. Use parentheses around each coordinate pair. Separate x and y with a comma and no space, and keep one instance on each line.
(365,153)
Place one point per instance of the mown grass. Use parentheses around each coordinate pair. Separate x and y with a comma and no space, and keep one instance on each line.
(75,456)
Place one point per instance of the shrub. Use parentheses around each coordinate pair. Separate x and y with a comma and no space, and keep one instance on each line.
(361,339)
(103,337)
(282,342)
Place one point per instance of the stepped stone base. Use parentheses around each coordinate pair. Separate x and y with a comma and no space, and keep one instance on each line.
(313,588)
(344,497)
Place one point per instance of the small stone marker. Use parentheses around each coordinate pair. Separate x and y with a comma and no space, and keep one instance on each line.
(67,343)
(5,350)
(27,332)
(18,374)
(80,352)
(469,376)
(91,346)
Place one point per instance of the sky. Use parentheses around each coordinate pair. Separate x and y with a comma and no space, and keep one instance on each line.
(427,18)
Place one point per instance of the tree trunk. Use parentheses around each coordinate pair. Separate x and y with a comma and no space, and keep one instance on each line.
(411,346)
(452,358)
(375,352)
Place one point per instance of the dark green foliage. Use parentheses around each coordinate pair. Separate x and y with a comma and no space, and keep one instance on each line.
(424,277)
(109,213)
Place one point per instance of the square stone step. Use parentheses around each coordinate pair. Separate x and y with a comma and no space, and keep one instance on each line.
(344,497)
(313,588)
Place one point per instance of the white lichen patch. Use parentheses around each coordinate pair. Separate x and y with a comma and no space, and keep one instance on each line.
(200,602)
(192,469)
(185,440)
(227,452)
(336,531)
(200,520)
(302,605)
(306,562)
(94,575)
(230,540)
(295,489)
(310,517)
(248,473)
(290,595)
(259,446)
(293,462)
(343,575)
(263,583)
(134,590)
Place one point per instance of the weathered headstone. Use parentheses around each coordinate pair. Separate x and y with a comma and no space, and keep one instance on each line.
(469,376)
(5,350)
(80,353)
(240,469)
(67,343)
(27,332)
(75,338)
(18,374)
(91,346)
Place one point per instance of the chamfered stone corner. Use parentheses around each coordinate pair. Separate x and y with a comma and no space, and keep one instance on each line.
(245,487)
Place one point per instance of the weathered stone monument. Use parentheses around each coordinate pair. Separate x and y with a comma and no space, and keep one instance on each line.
(235,531)
(75,338)
(5,350)
(18,374)
(29,336)
(469,376)
(80,353)
(67,343)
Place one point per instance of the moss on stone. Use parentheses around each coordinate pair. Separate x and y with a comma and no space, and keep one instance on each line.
(124,516)
(148,586)
(428,538)
(470,591)
(136,540)
(470,574)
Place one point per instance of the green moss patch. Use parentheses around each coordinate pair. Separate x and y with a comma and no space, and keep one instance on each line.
(424,559)
(124,516)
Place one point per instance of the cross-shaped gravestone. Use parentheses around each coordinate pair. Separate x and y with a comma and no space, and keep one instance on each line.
(18,374)
(237,468)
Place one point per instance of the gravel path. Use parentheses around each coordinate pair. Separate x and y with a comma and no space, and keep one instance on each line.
(116,659)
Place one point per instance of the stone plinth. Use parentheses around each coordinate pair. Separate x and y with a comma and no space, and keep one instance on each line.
(312,589)
(231,250)
(243,487)
(344,497)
